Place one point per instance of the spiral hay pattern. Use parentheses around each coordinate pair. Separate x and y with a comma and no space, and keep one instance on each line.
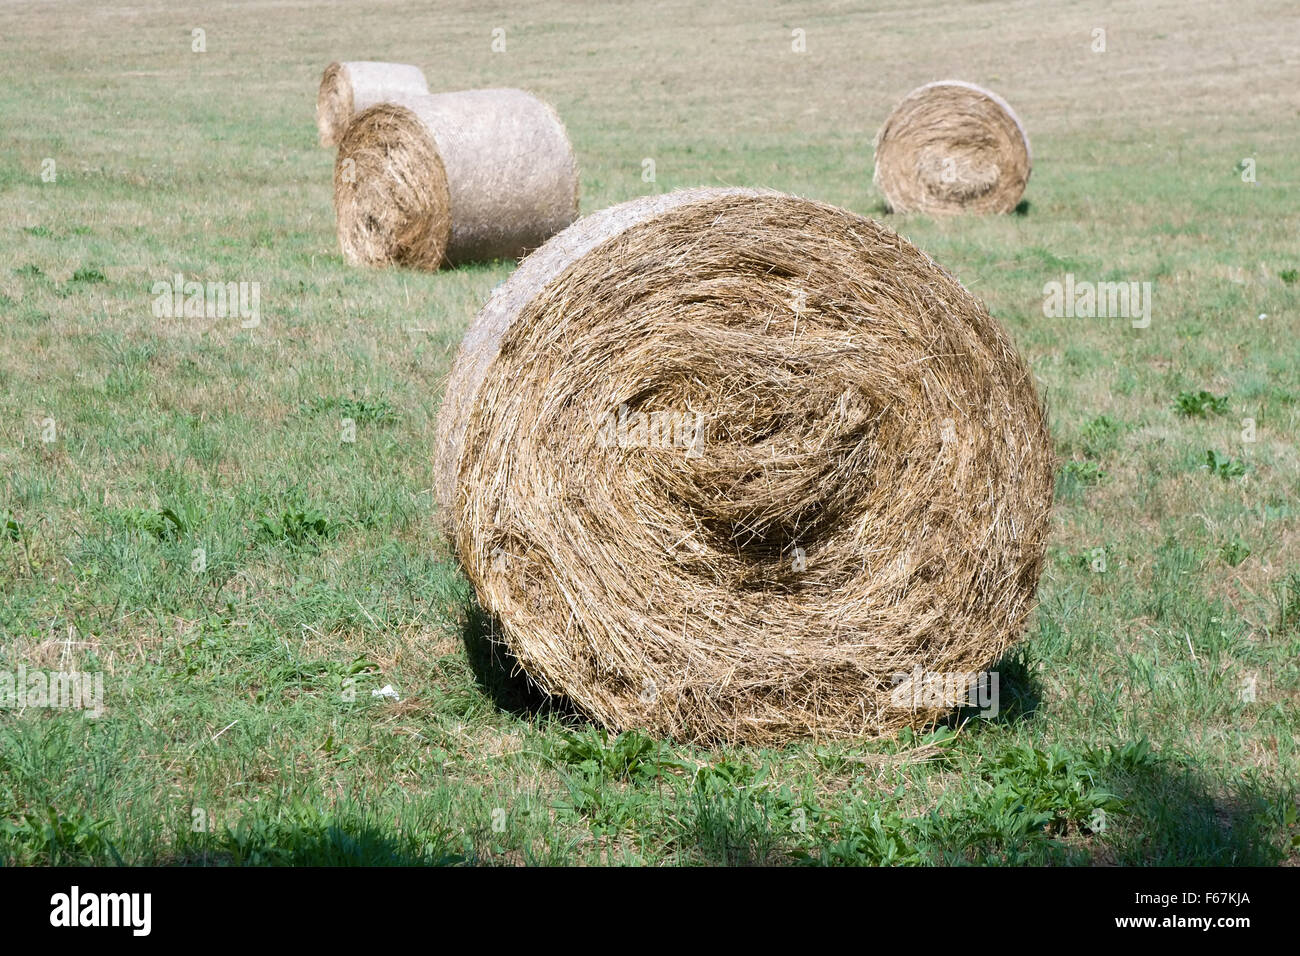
(952,147)
(723,463)
(453,177)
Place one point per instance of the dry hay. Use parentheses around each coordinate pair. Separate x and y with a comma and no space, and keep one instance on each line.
(453,177)
(869,491)
(952,147)
(348,88)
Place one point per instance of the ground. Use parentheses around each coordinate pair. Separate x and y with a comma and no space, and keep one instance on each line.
(179,510)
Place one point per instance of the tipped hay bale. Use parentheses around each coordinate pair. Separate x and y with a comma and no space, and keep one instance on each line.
(348,88)
(454,177)
(724,463)
(952,147)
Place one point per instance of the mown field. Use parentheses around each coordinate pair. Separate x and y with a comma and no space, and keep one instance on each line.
(1159,681)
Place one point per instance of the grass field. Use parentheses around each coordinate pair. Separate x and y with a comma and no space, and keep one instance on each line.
(179,510)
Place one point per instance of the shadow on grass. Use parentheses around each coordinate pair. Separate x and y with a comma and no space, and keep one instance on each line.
(500,677)
(1019,693)
(1168,811)
(1175,816)
(337,844)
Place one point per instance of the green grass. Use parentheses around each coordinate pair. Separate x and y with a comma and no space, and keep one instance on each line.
(235,525)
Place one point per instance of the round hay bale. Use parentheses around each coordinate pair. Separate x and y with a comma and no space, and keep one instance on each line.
(724,464)
(348,88)
(453,177)
(952,147)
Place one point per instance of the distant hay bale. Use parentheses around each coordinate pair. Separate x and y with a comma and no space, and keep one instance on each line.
(952,147)
(724,464)
(453,177)
(348,88)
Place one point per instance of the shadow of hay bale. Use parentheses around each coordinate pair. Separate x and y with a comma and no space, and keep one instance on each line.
(1176,816)
(338,844)
(1020,693)
(499,676)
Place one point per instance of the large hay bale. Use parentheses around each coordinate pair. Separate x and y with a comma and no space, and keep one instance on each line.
(866,489)
(453,177)
(348,88)
(952,147)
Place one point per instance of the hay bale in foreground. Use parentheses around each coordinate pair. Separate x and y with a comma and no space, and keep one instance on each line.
(348,88)
(952,147)
(453,177)
(866,488)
